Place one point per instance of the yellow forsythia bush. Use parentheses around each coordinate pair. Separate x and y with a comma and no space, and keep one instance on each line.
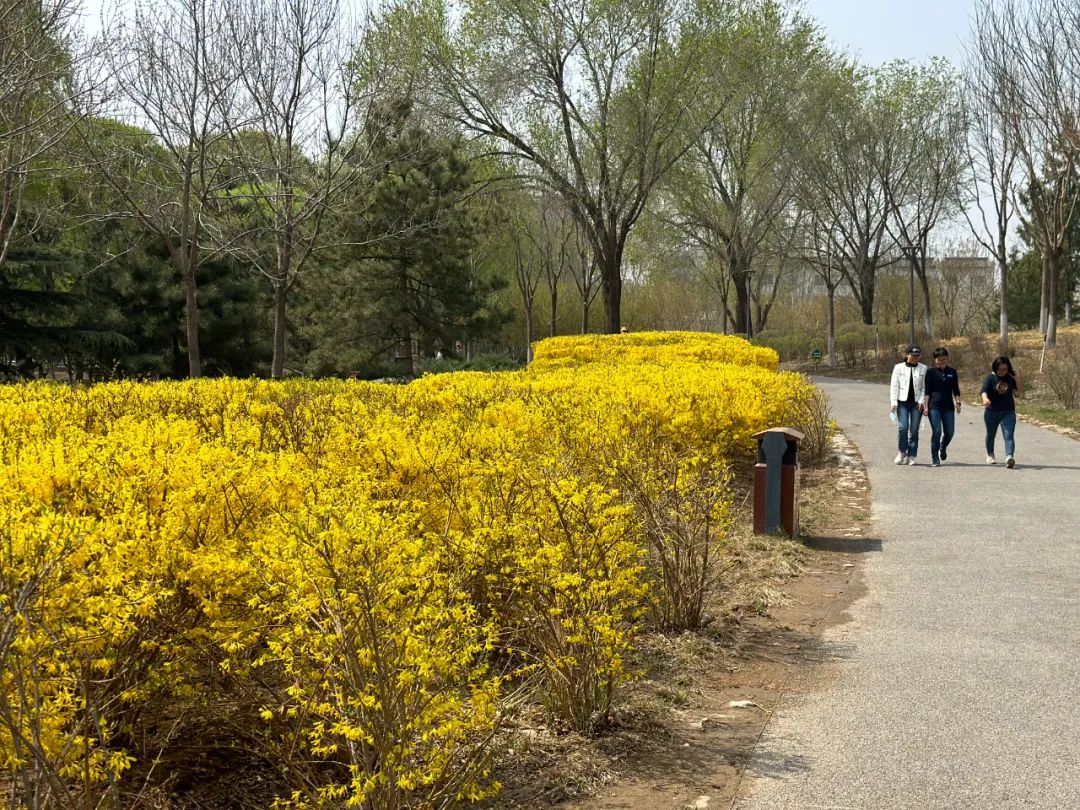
(651,347)
(350,572)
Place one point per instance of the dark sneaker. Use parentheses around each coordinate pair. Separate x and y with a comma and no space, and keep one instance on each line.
(1010,462)
(935,463)
(944,455)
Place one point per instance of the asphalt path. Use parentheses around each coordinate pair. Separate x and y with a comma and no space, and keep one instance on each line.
(956,684)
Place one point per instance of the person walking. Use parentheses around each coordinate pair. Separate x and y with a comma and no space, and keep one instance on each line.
(906,394)
(999,391)
(942,404)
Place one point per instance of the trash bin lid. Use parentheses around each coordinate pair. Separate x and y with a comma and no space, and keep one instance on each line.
(791,433)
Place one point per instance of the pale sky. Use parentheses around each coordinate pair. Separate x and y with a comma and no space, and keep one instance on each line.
(875,30)
(878,31)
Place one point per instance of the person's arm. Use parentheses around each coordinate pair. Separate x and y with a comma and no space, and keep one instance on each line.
(957,400)
(894,388)
(985,392)
(1019,383)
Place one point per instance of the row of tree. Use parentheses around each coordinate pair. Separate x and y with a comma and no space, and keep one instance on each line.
(247,186)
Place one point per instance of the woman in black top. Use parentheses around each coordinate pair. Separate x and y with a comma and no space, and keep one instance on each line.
(998,397)
(942,404)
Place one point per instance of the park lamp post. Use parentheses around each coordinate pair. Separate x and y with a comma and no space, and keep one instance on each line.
(908,250)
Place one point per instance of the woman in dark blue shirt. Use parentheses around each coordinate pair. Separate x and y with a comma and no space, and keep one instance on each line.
(942,404)
(999,390)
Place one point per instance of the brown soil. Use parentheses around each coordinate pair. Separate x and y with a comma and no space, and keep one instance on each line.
(685,733)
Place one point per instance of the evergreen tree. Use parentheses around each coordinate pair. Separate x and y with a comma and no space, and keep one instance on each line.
(421,233)
(412,286)
(1029,262)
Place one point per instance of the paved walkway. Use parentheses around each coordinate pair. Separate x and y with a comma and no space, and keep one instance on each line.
(957,684)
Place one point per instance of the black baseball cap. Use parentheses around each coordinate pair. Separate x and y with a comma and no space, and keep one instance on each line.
(913,349)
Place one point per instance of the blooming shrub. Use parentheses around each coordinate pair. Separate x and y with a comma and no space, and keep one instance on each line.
(350,572)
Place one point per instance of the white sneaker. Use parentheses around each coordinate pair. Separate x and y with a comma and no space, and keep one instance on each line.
(991,460)
(911,461)
(900,458)
(1010,462)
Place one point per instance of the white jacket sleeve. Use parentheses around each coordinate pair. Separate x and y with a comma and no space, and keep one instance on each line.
(894,386)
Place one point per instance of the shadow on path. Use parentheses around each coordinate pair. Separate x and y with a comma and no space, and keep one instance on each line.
(845,545)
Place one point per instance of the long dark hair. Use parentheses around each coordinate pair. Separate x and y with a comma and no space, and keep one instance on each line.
(1000,360)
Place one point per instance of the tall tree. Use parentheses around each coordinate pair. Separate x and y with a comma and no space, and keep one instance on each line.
(171,71)
(293,138)
(845,173)
(738,178)
(584,272)
(419,233)
(925,150)
(594,95)
(528,270)
(987,196)
(1035,62)
(40,93)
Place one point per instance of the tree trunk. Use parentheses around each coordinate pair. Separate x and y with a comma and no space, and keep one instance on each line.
(864,296)
(281,290)
(554,309)
(409,366)
(191,311)
(1051,299)
(832,326)
(1003,269)
(1043,293)
(277,365)
(742,304)
(611,288)
(584,316)
(528,333)
(866,309)
(928,317)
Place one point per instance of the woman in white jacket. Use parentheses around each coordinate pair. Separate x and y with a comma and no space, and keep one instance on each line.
(906,393)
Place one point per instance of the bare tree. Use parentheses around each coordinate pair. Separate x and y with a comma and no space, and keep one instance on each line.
(842,181)
(819,250)
(737,180)
(965,287)
(293,139)
(170,73)
(552,240)
(41,92)
(1033,59)
(584,272)
(595,96)
(926,152)
(991,154)
(528,271)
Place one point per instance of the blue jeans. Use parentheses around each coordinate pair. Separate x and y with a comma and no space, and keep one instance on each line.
(908,417)
(1007,420)
(943,425)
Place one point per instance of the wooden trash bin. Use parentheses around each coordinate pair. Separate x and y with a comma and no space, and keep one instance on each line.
(776,481)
